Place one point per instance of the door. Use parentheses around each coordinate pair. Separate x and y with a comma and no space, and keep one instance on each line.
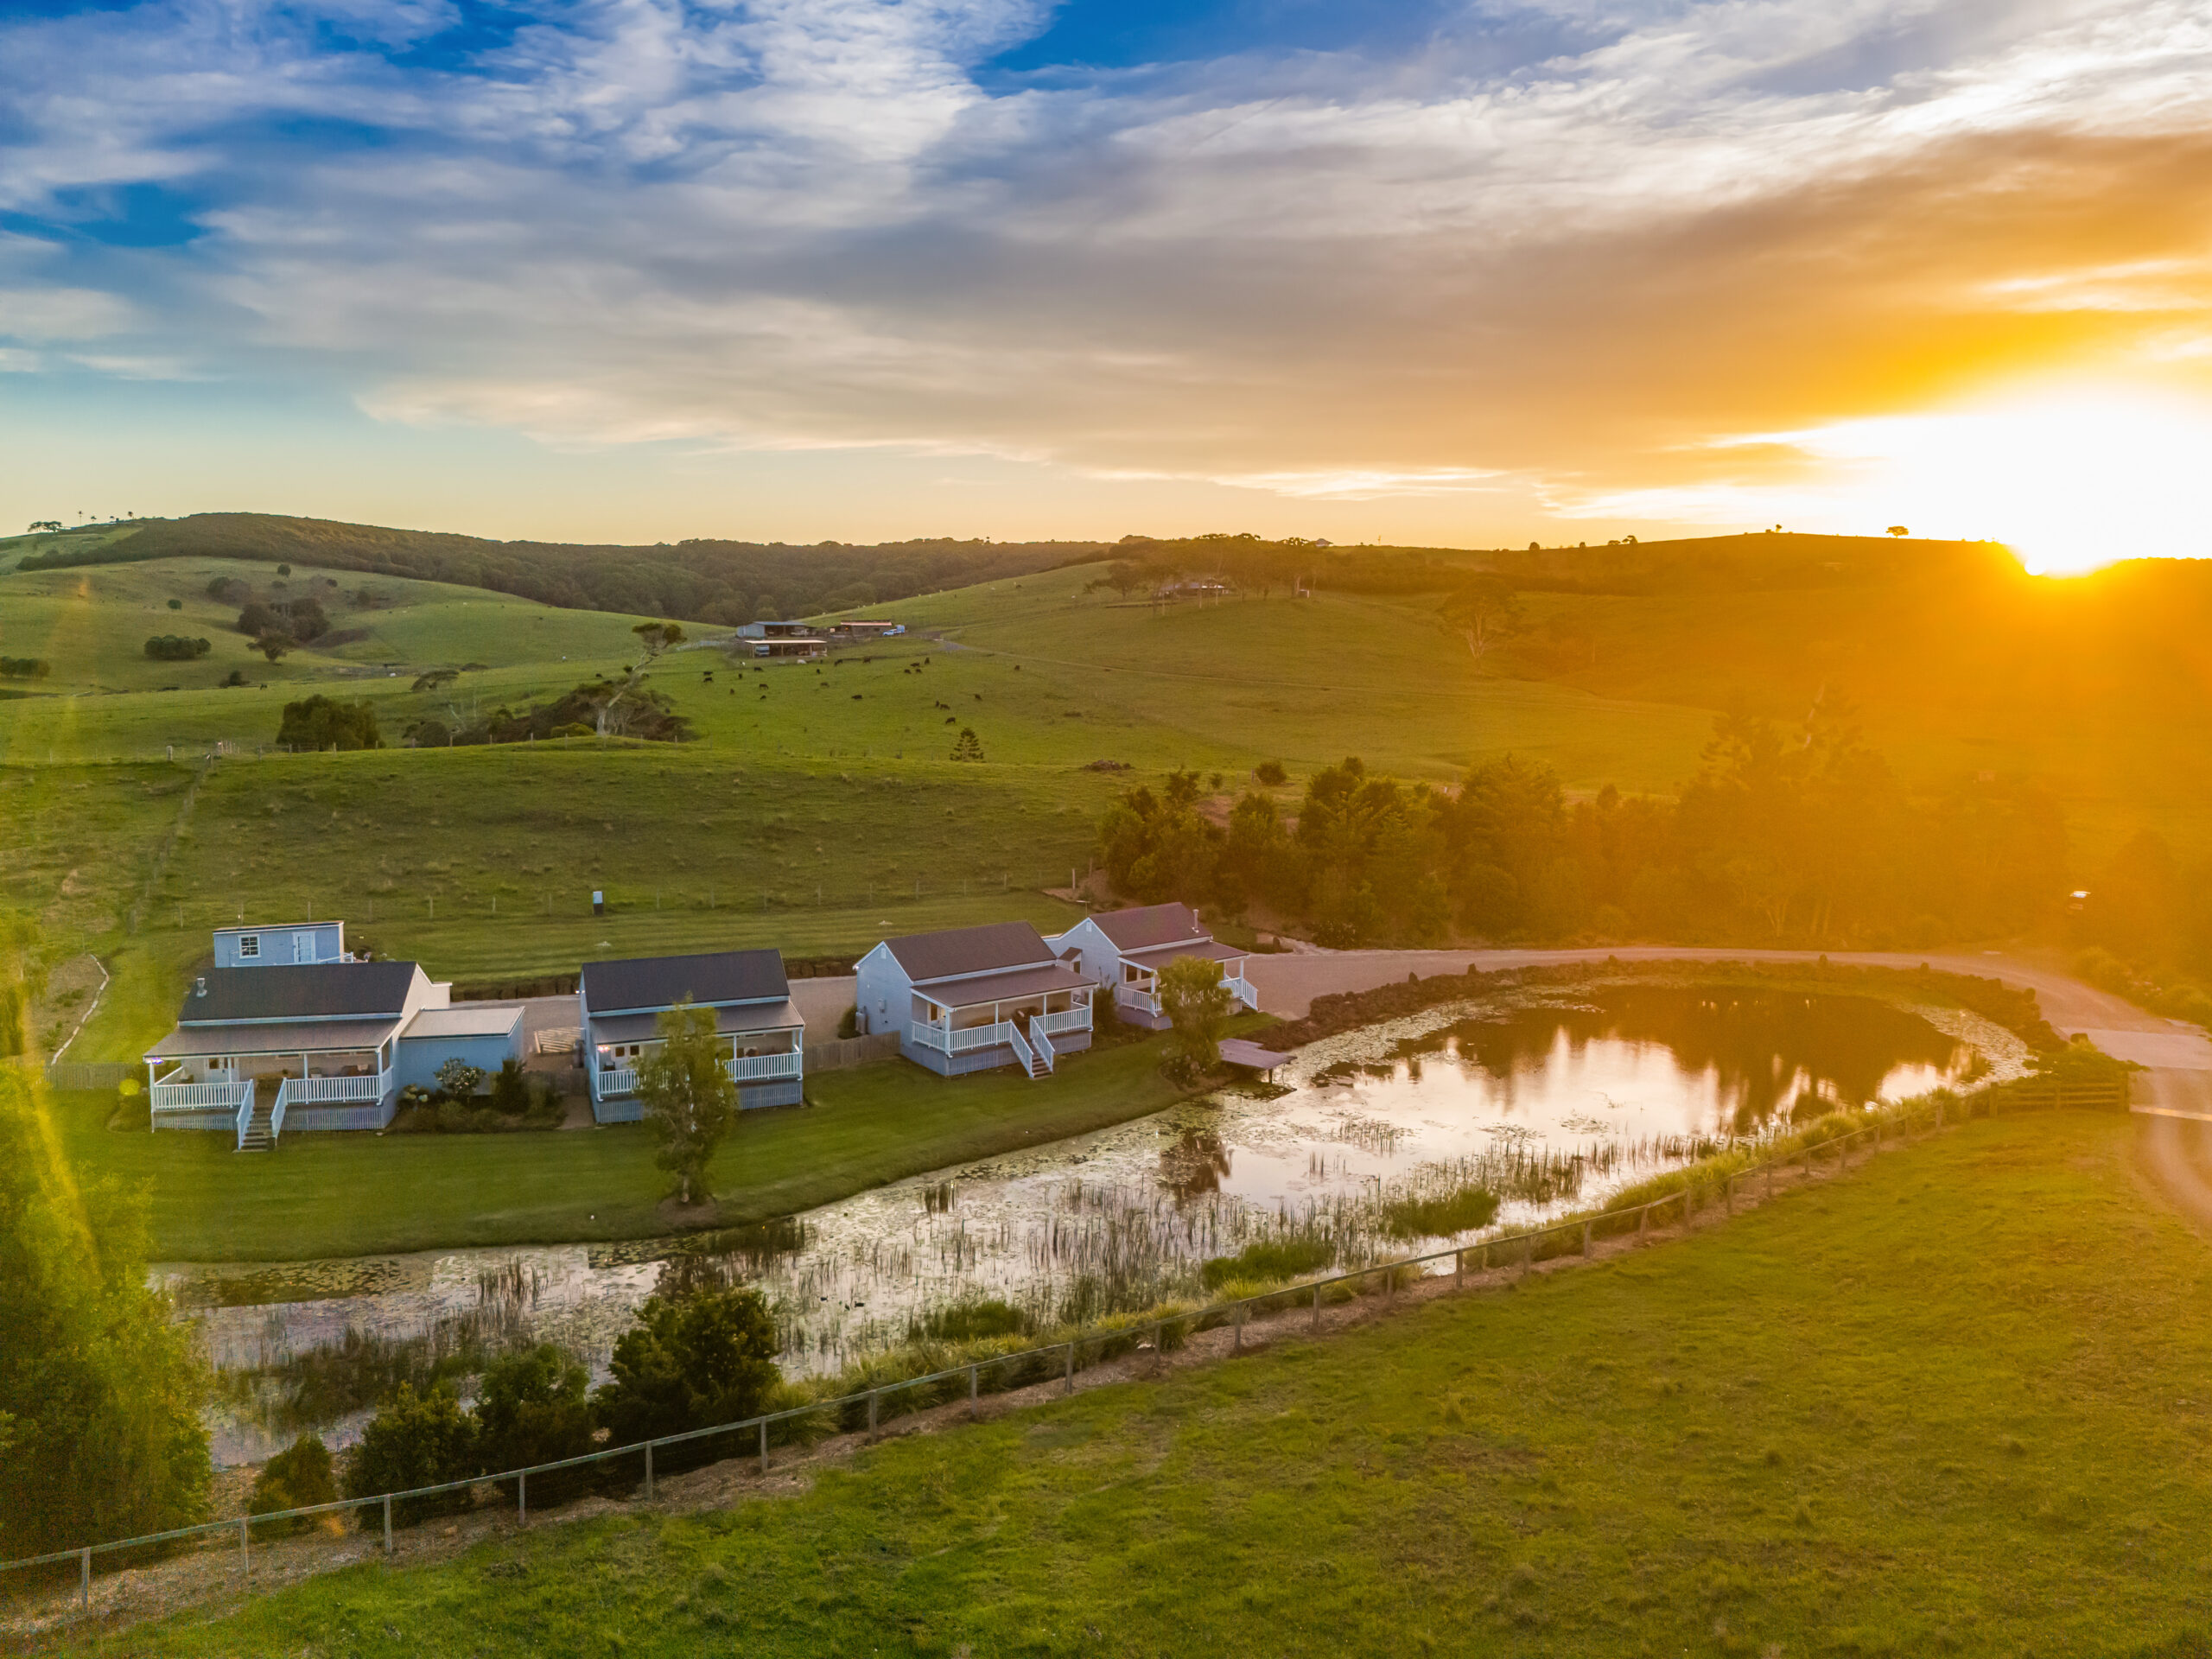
(303,947)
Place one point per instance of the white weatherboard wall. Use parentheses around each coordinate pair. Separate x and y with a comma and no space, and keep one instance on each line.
(280,945)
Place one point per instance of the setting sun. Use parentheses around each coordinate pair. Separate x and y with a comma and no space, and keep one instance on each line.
(2070,480)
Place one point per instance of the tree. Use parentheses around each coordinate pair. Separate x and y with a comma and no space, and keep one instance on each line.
(1124,576)
(415,1440)
(100,1392)
(1898,530)
(274,644)
(297,1478)
(691,1363)
(177,604)
(968,745)
(653,639)
(321,722)
(1197,1002)
(175,648)
(531,1407)
(689,1098)
(1486,610)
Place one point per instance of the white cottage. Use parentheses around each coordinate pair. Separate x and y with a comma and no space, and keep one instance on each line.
(760,1031)
(322,1046)
(968,999)
(1121,952)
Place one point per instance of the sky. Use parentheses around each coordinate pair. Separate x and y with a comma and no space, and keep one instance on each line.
(860,269)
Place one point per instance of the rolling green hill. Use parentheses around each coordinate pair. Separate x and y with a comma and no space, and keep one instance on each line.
(815,803)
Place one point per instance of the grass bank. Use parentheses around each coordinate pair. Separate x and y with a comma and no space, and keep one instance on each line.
(1950,1404)
(335,1195)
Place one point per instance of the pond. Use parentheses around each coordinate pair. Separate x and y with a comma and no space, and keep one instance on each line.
(1546,1102)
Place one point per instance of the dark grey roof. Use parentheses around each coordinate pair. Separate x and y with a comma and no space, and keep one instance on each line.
(645,1027)
(322,990)
(1006,987)
(1153,925)
(994,946)
(276,1037)
(663,981)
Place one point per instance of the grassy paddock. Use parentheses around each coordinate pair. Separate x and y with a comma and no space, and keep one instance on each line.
(336,1195)
(1951,1404)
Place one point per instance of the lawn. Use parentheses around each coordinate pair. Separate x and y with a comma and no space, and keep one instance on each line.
(336,1195)
(1954,1403)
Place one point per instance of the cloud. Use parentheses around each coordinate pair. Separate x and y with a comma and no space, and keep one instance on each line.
(1570,245)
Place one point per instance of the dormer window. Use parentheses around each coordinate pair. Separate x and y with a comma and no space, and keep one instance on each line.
(249,945)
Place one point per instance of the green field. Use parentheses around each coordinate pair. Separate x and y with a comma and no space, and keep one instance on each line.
(336,1195)
(1951,1404)
(820,809)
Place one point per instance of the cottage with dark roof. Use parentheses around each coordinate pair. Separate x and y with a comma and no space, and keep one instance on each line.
(314,1045)
(762,1035)
(969,999)
(1122,951)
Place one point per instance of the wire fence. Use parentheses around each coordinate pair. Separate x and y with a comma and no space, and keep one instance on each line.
(804,1425)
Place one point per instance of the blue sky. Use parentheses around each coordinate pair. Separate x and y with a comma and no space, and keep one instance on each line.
(858,268)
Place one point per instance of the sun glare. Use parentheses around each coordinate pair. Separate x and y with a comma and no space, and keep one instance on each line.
(2070,480)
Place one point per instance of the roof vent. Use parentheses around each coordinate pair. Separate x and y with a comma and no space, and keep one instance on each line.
(199,986)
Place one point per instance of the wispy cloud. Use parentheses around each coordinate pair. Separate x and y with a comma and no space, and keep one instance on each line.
(1569,244)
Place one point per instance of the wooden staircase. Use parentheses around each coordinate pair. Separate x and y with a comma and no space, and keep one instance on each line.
(259,1136)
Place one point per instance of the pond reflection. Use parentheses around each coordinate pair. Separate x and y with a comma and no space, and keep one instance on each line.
(1544,1105)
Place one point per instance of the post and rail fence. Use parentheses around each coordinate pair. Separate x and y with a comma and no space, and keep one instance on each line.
(1518,1253)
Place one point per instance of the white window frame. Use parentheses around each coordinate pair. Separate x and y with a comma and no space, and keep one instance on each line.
(249,945)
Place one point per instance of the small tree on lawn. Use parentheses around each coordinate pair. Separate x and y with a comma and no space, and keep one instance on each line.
(1197,1003)
(968,745)
(690,1096)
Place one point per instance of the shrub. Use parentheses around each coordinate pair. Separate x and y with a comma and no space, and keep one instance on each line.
(510,1089)
(177,604)
(848,1023)
(974,1321)
(294,1479)
(321,722)
(415,1440)
(175,648)
(530,1408)
(24,668)
(687,1364)
(1268,1261)
(1442,1215)
(1271,774)
(458,1078)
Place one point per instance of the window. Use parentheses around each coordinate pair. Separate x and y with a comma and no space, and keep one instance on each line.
(249,945)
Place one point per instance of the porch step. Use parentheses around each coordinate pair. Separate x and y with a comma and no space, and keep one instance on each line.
(258,1137)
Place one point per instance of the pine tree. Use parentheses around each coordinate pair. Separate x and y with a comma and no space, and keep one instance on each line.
(969,746)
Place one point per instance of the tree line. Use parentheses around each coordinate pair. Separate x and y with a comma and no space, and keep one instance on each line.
(724,582)
(1802,837)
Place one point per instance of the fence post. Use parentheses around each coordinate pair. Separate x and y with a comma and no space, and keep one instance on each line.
(245,1551)
(1527,1252)
(971,1378)
(1586,1238)
(1643,1220)
(872,1399)
(1317,1304)
(387,1523)
(649,1472)
(1458,1271)
(522,1498)
(763,1445)
(84,1579)
(1070,1372)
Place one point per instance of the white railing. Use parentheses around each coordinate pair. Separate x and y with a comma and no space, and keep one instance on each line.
(621,1082)
(245,1114)
(1245,993)
(974,1037)
(929,1036)
(1040,1042)
(1021,1050)
(276,1120)
(748,1068)
(1065,1019)
(322,1091)
(221,1096)
(1129,996)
